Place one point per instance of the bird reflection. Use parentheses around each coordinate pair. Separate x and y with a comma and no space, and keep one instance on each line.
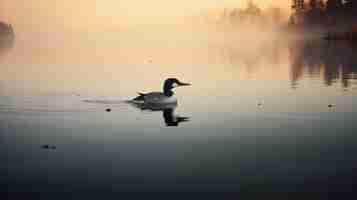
(168,112)
(7,36)
(171,119)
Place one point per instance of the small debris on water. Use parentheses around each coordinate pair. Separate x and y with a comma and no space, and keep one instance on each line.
(46,146)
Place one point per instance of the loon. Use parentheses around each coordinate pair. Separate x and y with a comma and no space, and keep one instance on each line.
(165,97)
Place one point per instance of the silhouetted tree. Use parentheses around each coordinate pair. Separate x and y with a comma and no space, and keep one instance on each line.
(332,16)
(334,13)
(321,5)
(333,6)
(252,9)
(313,4)
(351,8)
(314,15)
(350,3)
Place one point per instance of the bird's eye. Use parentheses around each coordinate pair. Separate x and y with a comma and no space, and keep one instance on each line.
(174,85)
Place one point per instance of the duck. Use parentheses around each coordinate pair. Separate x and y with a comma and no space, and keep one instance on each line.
(164,97)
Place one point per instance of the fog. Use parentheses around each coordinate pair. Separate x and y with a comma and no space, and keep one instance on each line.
(94,45)
(112,14)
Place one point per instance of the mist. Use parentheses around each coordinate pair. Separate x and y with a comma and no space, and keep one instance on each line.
(86,42)
(112,14)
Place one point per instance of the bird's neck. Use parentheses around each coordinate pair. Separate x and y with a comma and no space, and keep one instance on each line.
(168,92)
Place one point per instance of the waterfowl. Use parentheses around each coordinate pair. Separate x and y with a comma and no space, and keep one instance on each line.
(165,97)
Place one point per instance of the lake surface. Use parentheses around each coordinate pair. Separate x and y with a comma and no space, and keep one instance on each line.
(256,118)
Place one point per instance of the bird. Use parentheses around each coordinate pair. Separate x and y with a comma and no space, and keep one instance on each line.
(164,97)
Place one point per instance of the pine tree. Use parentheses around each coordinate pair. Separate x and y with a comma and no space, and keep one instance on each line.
(321,5)
(350,4)
(333,5)
(313,4)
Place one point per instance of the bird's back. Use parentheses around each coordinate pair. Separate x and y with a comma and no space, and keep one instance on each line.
(155,98)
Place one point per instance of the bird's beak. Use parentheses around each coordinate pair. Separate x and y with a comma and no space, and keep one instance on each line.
(184,84)
(183,119)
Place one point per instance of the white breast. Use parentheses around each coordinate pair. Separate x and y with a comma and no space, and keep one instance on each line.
(169,100)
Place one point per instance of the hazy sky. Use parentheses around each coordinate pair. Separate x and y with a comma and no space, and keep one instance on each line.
(83,13)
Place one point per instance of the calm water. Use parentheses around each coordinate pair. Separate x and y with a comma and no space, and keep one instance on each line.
(256,118)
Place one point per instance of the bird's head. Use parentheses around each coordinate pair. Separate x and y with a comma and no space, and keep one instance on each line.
(171,83)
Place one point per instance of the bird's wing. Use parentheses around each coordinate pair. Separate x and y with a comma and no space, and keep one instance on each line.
(154,97)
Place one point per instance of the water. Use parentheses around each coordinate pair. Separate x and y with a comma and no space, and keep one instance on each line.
(256,118)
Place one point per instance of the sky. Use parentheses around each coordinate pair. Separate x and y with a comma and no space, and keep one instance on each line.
(84,13)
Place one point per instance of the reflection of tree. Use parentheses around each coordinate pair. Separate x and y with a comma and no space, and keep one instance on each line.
(7,36)
(6,42)
(336,61)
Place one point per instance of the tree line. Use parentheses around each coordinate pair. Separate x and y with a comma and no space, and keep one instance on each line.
(332,14)
(252,14)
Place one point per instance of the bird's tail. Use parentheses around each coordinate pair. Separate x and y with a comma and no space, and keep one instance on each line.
(140,97)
